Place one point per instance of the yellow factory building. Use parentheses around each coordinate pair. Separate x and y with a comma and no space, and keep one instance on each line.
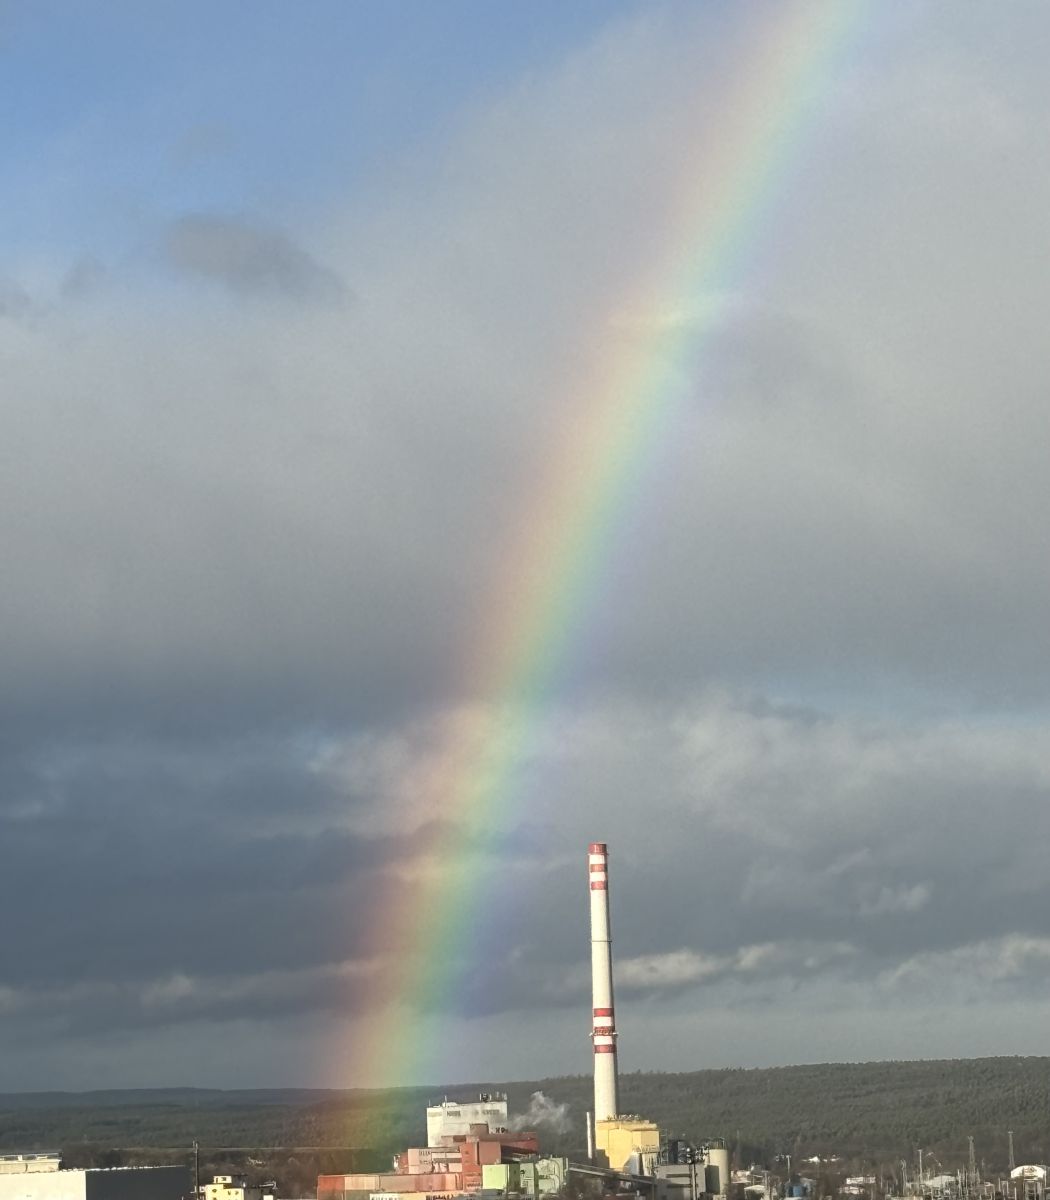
(628,1144)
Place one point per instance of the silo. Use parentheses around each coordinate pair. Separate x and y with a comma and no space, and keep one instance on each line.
(716,1169)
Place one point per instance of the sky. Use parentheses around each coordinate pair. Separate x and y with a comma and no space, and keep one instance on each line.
(298,304)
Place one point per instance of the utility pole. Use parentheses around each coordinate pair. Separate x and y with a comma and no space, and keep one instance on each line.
(922,1177)
(1010,1141)
(196,1170)
(972,1181)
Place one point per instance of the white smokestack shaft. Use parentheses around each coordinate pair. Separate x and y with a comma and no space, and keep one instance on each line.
(606,1098)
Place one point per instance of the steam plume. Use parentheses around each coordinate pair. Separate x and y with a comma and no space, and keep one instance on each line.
(543,1110)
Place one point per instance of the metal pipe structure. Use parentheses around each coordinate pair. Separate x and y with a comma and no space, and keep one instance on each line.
(603,1029)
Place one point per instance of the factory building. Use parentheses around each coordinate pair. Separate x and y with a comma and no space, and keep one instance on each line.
(689,1172)
(627,1144)
(679,1181)
(236,1187)
(50,1182)
(451,1118)
(470,1151)
(456,1167)
(532,1177)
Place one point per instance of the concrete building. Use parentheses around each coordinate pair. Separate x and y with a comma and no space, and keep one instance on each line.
(629,1144)
(531,1177)
(690,1172)
(235,1187)
(678,1181)
(115,1183)
(352,1187)
(456,1167)
(451,1117)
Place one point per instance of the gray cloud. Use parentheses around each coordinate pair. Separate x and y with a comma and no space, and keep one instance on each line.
(83,277)
(248,259)
(15,301)
(797,876)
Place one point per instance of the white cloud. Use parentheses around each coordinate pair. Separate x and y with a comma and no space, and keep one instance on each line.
(1012,959)
(672,969)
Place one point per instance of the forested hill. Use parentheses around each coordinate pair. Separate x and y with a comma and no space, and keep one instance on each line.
(877,1110)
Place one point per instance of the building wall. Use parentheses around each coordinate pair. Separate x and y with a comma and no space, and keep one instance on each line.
(417,1196)
(139,1183)
(625,1139)
(500,1177)
(426,1160)
(120,1183)
(335,1187)
(679,1181)
(552,1175)
(532,1177)
(478,1153)
(450,1118)
(219,1189)
(44,1185)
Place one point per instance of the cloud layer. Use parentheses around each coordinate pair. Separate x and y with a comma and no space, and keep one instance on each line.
(262,473)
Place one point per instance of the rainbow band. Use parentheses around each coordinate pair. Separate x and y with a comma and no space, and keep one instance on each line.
(623,405)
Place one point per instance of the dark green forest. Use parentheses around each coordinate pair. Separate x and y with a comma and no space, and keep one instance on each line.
(866,1112)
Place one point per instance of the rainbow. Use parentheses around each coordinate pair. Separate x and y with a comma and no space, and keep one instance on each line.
(624,402)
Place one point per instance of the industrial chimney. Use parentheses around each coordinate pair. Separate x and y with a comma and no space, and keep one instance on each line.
(606,1099)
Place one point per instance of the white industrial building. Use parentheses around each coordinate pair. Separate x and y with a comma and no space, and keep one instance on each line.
(452,1119)
(44,1180)
(236,1187)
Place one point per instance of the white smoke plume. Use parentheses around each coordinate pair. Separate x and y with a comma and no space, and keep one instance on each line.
(543,1110)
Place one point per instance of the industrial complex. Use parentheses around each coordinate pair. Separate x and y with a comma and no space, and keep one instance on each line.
(471,1150)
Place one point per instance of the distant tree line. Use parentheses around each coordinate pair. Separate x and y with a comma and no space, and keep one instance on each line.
(873,1113)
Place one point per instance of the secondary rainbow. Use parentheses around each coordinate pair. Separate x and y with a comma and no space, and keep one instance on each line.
(623,400)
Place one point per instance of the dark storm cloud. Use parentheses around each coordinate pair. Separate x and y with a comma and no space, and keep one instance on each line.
(248,259)
(212,864)
(220,882)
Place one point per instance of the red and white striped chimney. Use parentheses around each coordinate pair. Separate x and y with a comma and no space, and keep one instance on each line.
(606,1098)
